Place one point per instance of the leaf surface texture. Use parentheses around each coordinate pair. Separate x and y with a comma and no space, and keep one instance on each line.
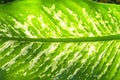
(59,40)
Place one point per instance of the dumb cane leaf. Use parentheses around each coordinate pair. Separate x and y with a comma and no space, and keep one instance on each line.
(59,40)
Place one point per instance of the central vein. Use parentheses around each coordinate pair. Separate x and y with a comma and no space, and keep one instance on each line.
(81,39)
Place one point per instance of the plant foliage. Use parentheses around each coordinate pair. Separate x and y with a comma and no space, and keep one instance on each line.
(59,40)
(109,1)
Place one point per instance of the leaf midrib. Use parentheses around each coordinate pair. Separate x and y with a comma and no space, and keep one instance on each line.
(81,39)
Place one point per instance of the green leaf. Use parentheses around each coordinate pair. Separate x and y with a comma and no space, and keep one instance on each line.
(59,40)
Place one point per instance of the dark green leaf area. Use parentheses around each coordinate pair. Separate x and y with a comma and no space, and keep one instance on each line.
(5,1)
